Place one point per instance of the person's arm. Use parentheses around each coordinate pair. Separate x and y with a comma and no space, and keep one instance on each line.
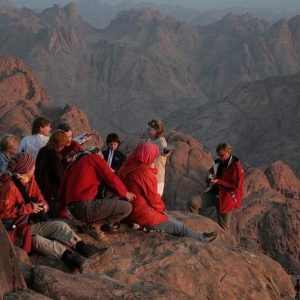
(35,193)
(10,205)
(231,184)
(148,183)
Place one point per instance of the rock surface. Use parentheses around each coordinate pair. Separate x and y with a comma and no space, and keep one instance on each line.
(22,99)
(156,265)
(11,277)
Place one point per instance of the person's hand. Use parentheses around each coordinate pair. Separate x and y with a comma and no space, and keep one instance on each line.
(37,207)
(44,206)
(130,196)
(213,181)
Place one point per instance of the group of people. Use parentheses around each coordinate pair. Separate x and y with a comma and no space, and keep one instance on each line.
(48,176)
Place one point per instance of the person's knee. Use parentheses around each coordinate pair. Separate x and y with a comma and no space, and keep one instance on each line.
(127,208)
(194,204)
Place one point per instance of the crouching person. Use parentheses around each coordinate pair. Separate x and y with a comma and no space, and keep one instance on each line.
(80,192)
(21,200)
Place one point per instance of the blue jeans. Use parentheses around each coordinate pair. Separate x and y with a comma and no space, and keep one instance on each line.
(175,227)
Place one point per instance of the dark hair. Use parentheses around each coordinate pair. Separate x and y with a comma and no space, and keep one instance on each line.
(38,123)
(111,138)
(64,126)
(57,139)
(223,146)
(158,126)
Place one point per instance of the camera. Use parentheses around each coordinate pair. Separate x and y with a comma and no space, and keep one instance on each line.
(209,178)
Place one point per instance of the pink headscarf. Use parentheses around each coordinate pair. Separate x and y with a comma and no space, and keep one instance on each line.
(144,153)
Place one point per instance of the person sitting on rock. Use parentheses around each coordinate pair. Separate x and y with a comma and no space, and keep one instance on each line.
(72,148)
(9,146)
(148,209)
(80,192)
(226,181)
(21,198)
(31,144)
(49,169)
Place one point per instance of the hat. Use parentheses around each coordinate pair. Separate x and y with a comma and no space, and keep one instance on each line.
(20,163)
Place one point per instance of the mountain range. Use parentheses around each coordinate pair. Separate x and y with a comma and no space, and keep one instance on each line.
(229,80)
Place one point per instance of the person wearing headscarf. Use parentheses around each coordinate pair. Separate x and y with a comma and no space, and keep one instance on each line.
(148,210)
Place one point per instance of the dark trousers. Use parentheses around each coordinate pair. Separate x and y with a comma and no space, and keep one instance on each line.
(204,200)
(109,210)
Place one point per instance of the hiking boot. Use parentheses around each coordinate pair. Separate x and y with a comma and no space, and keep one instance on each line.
(210,236)
(86,250)
(75,261)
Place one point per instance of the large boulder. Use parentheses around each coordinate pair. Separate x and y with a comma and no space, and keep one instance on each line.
(155,265)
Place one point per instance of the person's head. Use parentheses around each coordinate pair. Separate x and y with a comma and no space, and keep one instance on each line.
(10,144)
(112,141)
(223,150)
(155,128)
(145,153)
(22,164)
(68,131)
(41,125)
(58,140)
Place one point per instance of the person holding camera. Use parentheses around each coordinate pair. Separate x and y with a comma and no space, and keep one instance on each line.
(72,147)
(225,181)
(20,199)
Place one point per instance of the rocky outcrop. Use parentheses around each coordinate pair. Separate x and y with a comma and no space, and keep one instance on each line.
(10,276)
(156,265)
(22,99)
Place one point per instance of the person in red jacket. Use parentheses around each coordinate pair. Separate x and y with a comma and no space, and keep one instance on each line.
(226,182)
(21,198)
(148,209)
(80,192)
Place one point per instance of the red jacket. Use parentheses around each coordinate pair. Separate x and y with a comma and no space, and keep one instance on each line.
(230,185)
(12,204)
(148,207)
(83,178)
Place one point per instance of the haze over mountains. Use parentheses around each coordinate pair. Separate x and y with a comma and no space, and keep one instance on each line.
(145,65)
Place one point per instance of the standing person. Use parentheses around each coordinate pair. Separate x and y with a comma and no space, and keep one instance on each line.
(112,154)
(21,198)
(72,147)
(49,169)
(80,192)
(31,144)
(156,134)
(9,146)
(148,209)
(226,181)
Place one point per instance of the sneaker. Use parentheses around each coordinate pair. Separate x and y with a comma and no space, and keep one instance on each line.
(210,236)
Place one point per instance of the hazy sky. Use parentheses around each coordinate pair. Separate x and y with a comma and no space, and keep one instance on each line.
(219,4)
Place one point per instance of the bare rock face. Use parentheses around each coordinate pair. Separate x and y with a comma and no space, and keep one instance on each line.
(10,276)
(143,265)
(22,99)
(21,96)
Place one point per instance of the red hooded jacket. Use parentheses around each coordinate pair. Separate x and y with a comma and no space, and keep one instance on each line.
(230,185)
(148,207)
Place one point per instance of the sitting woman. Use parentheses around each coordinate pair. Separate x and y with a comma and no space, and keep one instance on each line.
(49,169)
(20,199)
(148,209)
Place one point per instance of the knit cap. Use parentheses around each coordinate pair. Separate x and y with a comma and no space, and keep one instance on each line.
(20,163)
